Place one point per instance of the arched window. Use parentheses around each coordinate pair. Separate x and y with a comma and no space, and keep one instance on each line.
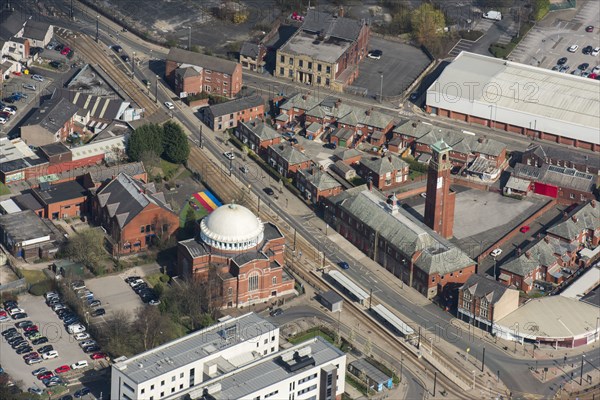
(253,281)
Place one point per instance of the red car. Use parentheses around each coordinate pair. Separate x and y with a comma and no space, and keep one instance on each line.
(592,76)
(31,328)
(45,375)
(62,369)
(65,51)
(524,229)
(98,356)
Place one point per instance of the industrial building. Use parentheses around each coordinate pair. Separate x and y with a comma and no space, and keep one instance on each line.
(531,101)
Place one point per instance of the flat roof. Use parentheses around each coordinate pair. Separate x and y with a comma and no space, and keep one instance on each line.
(331,297)
(348,284)
(582,285)
(552,317)
(264,372)
(59,192)
(9,206)
(372,372)
(521,95)
(24,225)
(308,44)
(193,347)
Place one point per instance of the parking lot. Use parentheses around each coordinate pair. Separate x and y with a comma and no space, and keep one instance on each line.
(15,84)
(549,40)
(114,294)
(400,65)
(50,326)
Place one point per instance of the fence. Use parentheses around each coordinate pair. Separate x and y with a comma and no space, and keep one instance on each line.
(356,90)
(19,285)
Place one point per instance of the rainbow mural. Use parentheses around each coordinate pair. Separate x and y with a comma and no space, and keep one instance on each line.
(207,200)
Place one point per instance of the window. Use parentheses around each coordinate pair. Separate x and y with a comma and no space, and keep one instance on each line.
(273,338)
(328,69)
(253,282)
(291,61)
(162,383)
(272,349)
(147,228)
(127,386)
(282,58)
(326,81)
(181,386)
(208,71)
(172,390)
(274,280)
(151,387)
(143,391)
(281,71)
(173,378)
(290,73)
(266,341)
(301,63)
(162,394)
(142,228)
(309,65)
(229,291)
(319,67)
(318,80)
(571,196)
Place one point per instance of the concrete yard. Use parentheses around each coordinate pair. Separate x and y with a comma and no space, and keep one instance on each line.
(400,65)
(114,294)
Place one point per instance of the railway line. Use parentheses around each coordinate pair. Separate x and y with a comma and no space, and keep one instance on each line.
(94,53)
(217,178)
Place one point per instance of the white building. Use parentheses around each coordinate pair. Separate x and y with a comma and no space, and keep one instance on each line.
(311,370)
(194,359)
(531,101)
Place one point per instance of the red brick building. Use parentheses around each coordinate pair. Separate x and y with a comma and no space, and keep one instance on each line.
(395,239)
(61,200)
(440,200)
(384,173)
(316,184)
(243,256)
(287,159)
(369,124)
(194,73)
(133,214)
(220,117)
(257,135)
(53,122)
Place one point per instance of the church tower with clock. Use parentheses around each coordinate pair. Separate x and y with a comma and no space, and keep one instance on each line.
(439,202)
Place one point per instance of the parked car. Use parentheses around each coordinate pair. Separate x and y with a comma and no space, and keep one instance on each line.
(65,51)
(595,52)
(35,390)
(524,229)
(86,343)
(98,356)
(125,58)
(496,252)
(37,77)
(59,47)
(117,48)
(32,361)
(76,328)
(81,392)
(562,61)
(62,369)
(587,50)
(91,349)
(573,48)
(375,54)
(41,340)
(130,279)
(76,285)
(30,328)
(29,86)
(45,349)
(50,355)
(276,312)
(589,28)
(82,336)
(269,191)
(79,364)
(23,324)
(344,265)
(20,316)
(24,348)
(94,303)
(39,371)
(229,155)
(583,66)
(55,64)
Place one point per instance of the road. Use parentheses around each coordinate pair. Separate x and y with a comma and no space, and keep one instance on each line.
(513,371)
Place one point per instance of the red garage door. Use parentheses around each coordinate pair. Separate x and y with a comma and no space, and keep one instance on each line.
(546,190)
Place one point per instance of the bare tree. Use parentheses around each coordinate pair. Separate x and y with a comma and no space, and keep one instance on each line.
(151,327)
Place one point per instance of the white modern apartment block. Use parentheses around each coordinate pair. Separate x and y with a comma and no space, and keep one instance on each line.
(194,359)
(311,370)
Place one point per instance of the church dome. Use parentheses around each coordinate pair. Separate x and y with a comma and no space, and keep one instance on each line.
(231,227)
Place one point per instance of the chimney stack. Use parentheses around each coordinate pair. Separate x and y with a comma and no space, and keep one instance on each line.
(546,239)
(337,103)
(303,97)
(414,124)
(341,12)
(574,218)
(390,159)
(370,183)
(593,203)
(519,251)
(368,112)
(528,254)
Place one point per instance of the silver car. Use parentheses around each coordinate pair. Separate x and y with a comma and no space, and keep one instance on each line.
(29,86)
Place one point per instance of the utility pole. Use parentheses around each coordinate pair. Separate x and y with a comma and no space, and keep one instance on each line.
(483,360)
(294,237)
(190,38)
(71,9)
(200,137)
(381,90)
(156,90)
(97,27)
(581,371)
(419,342)
(434,382)
(370,297)
(133,66)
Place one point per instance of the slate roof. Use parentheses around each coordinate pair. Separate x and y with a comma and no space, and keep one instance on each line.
(233,106)
(187,72)
(27,201)
(202,60)
(289,153)
(403,231)
(300,101)
(314,127)
(261,130)
(482,286)
(56,193)
(53,149)
(330,107)
(332,26)
(541,253)
(36,29)
(345,154)
(53,114)
(383,165)
(250,50)
(565,154)
(124,198)
(588,218)
(558,176)
(100,107)
(322,180)
(366,117)
(10,24)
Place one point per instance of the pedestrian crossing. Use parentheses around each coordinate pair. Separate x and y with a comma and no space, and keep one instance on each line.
(461,45)
(507,35)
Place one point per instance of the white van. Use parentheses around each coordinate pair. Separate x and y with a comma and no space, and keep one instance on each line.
(76,328)
(494,15)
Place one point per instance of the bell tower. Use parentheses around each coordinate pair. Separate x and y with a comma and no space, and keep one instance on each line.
(439,203)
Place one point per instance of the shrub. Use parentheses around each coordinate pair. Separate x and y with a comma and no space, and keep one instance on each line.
(40,288)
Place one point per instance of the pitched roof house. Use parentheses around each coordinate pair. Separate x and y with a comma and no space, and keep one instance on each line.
(133,214)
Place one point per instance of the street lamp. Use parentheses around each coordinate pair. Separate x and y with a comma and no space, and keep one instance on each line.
(381,89)
(581,371)
(231,162)
(97,27)
(133,66)
(190,38)
(401,364)
(156,89)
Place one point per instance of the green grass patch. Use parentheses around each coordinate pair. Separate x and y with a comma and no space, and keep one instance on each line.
(4,189)
(355,383)
(309,334)
(157,277)
(199,213)
(169,169)
(502,50)
(185,173)
(33,276)
(414,174)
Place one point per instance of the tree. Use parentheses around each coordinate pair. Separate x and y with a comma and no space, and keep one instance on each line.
(147,137)
(116,335)
(368,346)
(540,9)
(151,328)
(427,23)
(190,221)
(175,143)
(87,248)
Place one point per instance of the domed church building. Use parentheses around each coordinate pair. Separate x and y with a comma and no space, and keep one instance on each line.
(240,252)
